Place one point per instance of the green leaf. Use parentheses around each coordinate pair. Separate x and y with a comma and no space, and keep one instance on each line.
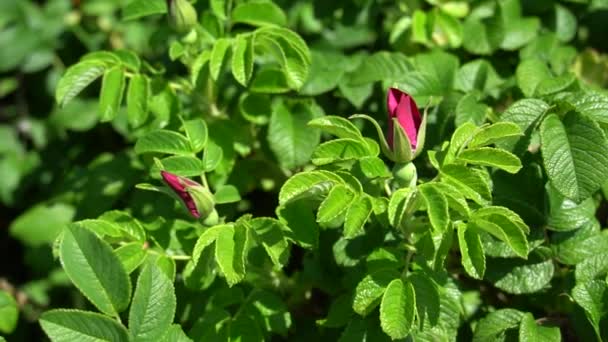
(242,58)
(493,157)
(131,255)
(481,38)
(259,13)
(227,194)
(400,206)
(356,216)
(565,214)
(142,8)
(370,289)
(436,206)
(288,134)
(518,276)
(112,89)
(524,113)
(9,313)
(270,234)
(529,331)
(306,184)
(338,126)
(196,131)
(299,218)
(76,78)
(335,204)
(591,268)
(495,324)
(95,270)
(373,167)
(137,99)
(496,132)
(270,80)
(75,325)
(153,306)
(503,224)
(40,224)
(163,141)
(289,50)
(471,251)
(470,183)
(229,256)
(479,75)
(572,154)
(592,296)
(575,246)
(340,150)
(469,109)
(255,108)
(427,298)
(176,334)
(380,66)
(208,237)
(530,73)
(326,71)
(397,309)
(218,56)
(185,166)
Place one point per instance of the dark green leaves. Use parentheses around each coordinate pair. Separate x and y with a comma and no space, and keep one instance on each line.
(153,305)
(95,270)
(573,154)
(75,325)
(76,78)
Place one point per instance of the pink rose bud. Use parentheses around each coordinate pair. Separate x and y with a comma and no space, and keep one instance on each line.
(197,198)
(402,107)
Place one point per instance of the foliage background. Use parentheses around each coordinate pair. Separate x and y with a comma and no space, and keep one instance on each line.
(470,60)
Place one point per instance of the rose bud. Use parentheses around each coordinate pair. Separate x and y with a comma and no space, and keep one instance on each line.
(182,15)
(197,198)
(406,127)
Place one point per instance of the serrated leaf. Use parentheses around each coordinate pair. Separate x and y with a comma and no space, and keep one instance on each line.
(530,73)
(308,184)
(339,150)
(379,67)
(495,132)
(518,276)
(163,141)
(153,306)
(228,258)
(504,225)
(338,126)
(427,299)
(399,206)
(592,296)
(370,289)
(137,99)
(112,89)
(529,331)
(185,166)
(270,234)
(288,134)
(436,206)
(242,58)
(493,157)
(335,204)
(259,13)
(131,255)
(208,237)
(591,268)
(397,309)
(471,184)
(217,57)
(75,325)
(95,270)
(471,251)
(358,213)
(197,133)
(573,154)
(76,78)
(496,323)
